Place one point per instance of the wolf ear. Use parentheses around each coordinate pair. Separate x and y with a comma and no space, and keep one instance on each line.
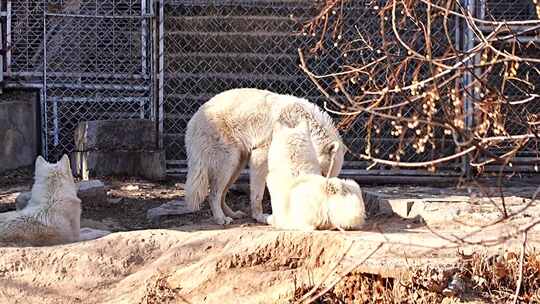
(332,148)
(40,162)
(64,163)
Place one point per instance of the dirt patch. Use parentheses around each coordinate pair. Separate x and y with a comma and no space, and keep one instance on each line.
(189,259)
(130,200)
(11,184)
(15,178)
(478,278)
(159,291)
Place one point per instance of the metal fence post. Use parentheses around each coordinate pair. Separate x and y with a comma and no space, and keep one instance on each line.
(469,92)
(161,50)
(43,94)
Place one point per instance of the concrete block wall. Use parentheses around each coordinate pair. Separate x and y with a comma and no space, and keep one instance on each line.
(118,147)
(18,129)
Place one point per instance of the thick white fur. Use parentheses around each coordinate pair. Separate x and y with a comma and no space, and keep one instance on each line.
(301,198)
(234,128)
(291,154)
(53,213)
(317,203)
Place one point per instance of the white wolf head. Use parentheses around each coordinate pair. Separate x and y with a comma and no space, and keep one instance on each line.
(53,182)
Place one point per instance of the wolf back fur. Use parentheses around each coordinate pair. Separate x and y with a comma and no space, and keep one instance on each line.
(291,154)
(301,198)
(315,202)
(233,129)
(52,215)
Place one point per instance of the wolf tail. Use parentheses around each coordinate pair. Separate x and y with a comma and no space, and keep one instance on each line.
(197,176)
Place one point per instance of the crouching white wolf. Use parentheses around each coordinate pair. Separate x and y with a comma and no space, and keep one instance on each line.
(234,128)
(301,198)
(52,215)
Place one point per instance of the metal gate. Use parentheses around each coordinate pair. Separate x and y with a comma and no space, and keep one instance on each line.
(98,64)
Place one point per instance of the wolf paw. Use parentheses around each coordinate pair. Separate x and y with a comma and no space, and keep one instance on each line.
(223,220)
(269,219)
(262,218)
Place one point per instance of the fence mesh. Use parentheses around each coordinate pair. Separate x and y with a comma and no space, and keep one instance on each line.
(94,60)
(517,91)
(27,39)
(218,45)
(212,46)
(97,67)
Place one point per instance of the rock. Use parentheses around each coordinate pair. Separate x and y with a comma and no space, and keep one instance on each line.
(115,135)
(375,204)
(171,208)
(146,164)
(87,234)
(118,147)
(130,187)
(115,200)
(90,192)
(18,129)
(22,200)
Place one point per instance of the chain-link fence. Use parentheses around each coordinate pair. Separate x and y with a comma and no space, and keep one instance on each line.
(101,59)
(212,46)
(92,60)
(520,106)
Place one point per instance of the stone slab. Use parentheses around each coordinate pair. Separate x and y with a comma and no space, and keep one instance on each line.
(18,130)
(146,164)
(89,191)
(92,192)
(177,207)
(116,135)
(445,205)
(87,234)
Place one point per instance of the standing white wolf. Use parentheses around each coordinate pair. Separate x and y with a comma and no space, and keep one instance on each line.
(234,128)
(301,198)
(53,213)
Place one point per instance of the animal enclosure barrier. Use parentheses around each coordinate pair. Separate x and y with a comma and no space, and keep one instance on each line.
(91,60)
(212,46)
(162,59)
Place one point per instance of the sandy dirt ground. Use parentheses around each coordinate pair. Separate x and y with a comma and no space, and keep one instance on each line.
(188,259)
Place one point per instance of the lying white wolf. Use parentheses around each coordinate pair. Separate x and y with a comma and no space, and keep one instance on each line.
(53,213)
(301,198)
(234,128)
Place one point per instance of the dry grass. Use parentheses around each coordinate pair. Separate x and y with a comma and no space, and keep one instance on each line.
(478,278)
(159,291)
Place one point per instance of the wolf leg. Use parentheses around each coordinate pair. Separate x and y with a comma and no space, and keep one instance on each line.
(226,209)
(226,163)
(258,170)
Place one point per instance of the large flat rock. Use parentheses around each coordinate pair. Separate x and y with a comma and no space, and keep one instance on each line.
(436,206)
(18,135)
(89,191)
(146,164)
(116,135)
